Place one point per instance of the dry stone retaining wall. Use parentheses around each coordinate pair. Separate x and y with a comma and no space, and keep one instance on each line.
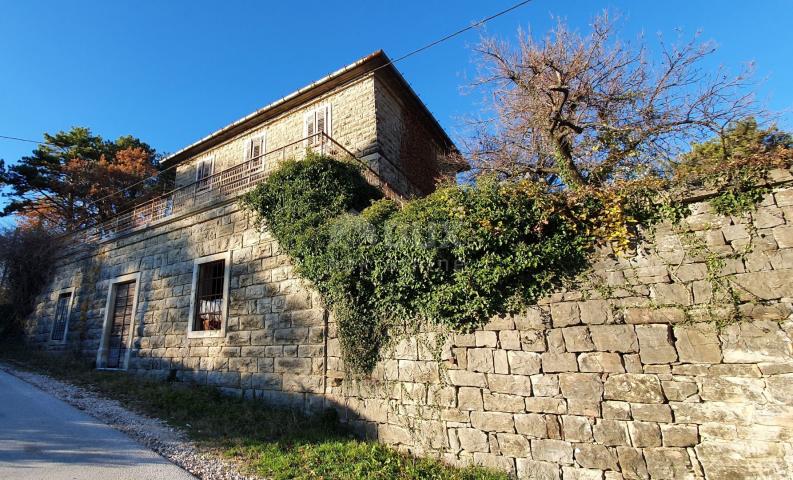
(640,374)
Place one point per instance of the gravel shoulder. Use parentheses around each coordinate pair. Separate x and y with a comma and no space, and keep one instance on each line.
(152,433)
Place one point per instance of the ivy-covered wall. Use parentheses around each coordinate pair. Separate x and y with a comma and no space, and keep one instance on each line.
(673,363)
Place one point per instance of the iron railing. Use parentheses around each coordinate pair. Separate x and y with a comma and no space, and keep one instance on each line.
(225,185)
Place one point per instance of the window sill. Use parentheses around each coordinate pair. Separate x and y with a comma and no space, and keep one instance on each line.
(206,333)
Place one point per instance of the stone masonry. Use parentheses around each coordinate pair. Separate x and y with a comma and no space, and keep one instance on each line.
(642,372)
(273,340)
(636,376)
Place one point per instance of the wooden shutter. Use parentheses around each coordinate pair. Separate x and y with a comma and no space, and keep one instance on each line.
(203,172)
(204,169)
(309,126)
(320,113)
(328,120)
(317,121)
(255,148)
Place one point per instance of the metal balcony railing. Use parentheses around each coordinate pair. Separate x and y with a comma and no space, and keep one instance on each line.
(225,185)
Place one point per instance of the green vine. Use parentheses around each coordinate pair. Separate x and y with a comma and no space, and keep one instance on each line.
(738,201)
(723,290)
(454,258)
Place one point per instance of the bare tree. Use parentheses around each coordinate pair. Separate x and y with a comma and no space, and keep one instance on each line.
(573,110)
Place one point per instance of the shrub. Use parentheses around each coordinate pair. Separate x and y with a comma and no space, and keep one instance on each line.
(466,253)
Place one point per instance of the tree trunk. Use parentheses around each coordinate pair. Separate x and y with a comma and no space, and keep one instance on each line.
(567,168)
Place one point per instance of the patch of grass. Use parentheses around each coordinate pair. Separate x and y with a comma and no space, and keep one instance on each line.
(272,442)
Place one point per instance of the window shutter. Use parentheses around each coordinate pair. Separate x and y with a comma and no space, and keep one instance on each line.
(309,125)
(316,122)
(203,171)
(328,120)
(254,149)
(321,121)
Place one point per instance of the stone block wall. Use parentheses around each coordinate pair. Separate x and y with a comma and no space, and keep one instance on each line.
(643,372)
(275,331)
(412,154)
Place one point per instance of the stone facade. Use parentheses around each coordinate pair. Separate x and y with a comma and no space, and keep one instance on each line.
(353,125)
(272,340)
(375,116)
(275,331)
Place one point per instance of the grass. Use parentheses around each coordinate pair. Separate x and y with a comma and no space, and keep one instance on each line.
(271,442)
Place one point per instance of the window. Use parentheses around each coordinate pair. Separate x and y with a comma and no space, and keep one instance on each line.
(62,309)
(254,150)
(315,123)
(203,175)
(209,301)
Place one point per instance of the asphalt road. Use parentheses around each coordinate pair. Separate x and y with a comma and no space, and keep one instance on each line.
(44,438)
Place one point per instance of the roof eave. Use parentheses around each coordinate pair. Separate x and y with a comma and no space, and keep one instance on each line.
(371,63)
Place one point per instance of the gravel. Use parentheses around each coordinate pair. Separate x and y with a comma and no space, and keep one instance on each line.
(152,433)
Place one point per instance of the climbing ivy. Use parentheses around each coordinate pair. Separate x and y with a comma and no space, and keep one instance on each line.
(454,258)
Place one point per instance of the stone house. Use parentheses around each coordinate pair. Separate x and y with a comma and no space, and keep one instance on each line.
(642,373)
(185,284)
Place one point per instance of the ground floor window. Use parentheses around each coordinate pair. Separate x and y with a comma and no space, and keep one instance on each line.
(209,295)
(209,305)
(62,310)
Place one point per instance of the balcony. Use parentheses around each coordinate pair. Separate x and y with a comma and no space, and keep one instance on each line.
(223,186)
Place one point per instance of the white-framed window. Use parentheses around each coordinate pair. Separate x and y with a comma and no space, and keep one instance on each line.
(316,122)
(255,150)
(118,328)
(209,296)
(254,147)
(63,309)
(203,173)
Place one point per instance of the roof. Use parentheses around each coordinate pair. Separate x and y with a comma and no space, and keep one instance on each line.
(377,61)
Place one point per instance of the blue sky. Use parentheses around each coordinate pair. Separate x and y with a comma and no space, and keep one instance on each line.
(171,72)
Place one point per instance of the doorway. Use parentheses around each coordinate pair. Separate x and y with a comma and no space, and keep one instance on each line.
(114,348)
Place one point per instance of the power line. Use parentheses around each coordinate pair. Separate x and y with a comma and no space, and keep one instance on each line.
(391,62)
(403,57)
(18,139)
(452,35)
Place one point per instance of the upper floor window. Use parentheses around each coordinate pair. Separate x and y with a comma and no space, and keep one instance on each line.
(208,306)
(62,310)
(254,152)
(254,148)
(316,123)
(203,174)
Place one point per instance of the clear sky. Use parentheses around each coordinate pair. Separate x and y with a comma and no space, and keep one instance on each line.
(170,72)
